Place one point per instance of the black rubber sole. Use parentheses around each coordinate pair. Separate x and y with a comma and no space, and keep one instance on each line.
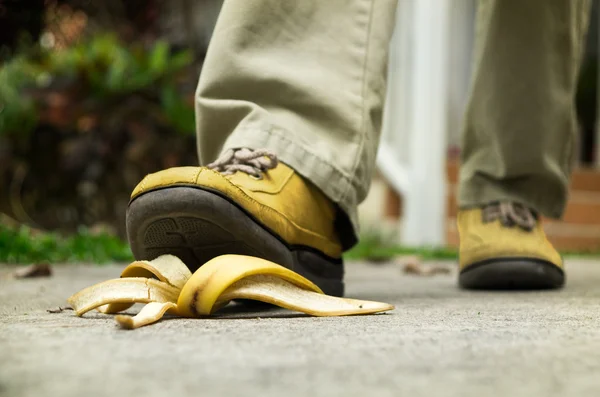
(198,225)
(512,274)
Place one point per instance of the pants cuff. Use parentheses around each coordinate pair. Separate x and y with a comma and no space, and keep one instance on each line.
(548,202)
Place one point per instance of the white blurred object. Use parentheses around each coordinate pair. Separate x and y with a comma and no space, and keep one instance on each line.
(428,80)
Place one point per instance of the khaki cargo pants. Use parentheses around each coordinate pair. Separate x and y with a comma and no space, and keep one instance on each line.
(307,79)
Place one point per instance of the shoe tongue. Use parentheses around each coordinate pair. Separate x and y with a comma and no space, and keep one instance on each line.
(510,215)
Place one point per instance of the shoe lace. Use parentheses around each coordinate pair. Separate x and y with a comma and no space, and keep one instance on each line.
(250,161)
(510,214)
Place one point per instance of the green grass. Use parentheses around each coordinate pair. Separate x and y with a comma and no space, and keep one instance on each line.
(375,246)
(380,253)
(21,245)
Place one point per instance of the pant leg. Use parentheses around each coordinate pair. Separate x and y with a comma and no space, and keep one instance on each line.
(520,123)
(305,79)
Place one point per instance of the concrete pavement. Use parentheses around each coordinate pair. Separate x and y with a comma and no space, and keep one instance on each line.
(439,341)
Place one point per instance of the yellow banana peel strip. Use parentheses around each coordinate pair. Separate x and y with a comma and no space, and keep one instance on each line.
(149,314)
(122,291)
(267,288)
(166,285)
(166,268)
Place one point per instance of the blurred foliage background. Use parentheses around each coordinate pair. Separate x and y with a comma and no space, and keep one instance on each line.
(93,96)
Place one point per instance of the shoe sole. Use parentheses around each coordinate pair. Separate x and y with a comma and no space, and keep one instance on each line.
(197,225)
(512,274)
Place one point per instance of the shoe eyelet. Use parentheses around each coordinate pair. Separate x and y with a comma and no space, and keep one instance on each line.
(257,177)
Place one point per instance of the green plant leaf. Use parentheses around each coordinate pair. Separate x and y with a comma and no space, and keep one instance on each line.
(180,115)
(180,60)
(158,58)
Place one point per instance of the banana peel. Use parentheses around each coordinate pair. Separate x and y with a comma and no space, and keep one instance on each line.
(166,285)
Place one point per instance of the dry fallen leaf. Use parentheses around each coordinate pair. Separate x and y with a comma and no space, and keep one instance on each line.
(413,265)
(33,271)
(404,260)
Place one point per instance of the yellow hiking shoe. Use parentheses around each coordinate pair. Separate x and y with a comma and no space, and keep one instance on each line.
(246,203)
(503,246)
